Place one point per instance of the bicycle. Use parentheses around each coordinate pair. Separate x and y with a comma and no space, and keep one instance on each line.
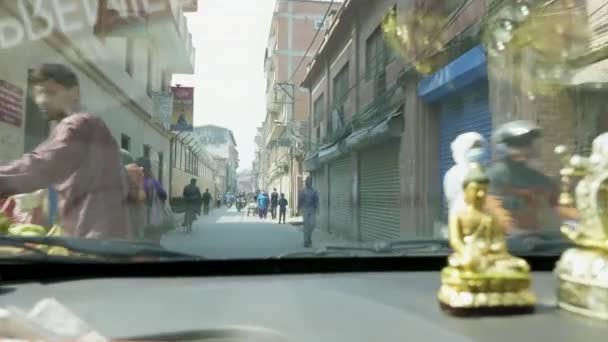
(190,217)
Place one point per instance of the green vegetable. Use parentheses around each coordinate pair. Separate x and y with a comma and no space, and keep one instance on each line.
(27,230)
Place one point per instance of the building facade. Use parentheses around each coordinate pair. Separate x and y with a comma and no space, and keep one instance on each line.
(190,160)
(256,166)
(220,142)
(296,31)
(356,125)
(382,119)
(122,55)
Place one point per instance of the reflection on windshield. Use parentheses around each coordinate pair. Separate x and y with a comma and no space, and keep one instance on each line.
(151,121)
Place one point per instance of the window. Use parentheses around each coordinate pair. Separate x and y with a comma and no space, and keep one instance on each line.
(149,72)
(320,24)
(165,80)
(452,5)
(377,54)
(129,59)
(146,151)
(161,163)
(125,142)
(318,109)
(341,85)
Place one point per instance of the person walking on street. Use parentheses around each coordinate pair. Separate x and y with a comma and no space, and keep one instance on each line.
(282,208)
(192,198)
(206,201)
(308,204)
(529,197)
(155,198)
(263,205)
(135,204)
(274,202)
(80,161)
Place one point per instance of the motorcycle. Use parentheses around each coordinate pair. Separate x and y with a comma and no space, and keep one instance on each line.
(240,204)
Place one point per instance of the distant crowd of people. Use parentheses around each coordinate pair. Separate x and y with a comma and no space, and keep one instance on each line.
(308,205)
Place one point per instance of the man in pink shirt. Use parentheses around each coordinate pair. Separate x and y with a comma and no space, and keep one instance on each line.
(80,160)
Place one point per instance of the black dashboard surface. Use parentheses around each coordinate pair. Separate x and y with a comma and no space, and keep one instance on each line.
(389,306)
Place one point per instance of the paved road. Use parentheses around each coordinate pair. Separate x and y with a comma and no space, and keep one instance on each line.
(226,233)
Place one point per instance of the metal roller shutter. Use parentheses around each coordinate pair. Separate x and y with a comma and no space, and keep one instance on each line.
(340,207)
(379,193)
(466,111)
(320,184)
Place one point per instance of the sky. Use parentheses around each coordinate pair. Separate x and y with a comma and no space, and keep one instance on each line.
(230,38)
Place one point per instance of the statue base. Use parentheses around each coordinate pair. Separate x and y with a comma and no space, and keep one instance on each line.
(466,303)
(582,282)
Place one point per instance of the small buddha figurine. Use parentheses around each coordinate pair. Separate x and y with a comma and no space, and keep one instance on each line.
(476,235)
(481,276)
(582,271)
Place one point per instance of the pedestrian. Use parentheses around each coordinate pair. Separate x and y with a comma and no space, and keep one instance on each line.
(529,196)
(192,204)
(263,205)
(80,161)
(156,197)
(282,208)
(308,204)
(466,148)
(206,201)
(135,204)
(274,202)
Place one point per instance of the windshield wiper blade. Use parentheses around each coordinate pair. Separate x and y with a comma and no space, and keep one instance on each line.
(417,247)
(113,249)
(551,243)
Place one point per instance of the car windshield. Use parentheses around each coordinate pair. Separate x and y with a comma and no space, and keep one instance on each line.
(155,129)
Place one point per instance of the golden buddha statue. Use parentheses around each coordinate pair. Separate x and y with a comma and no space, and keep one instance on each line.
(482,277)
(582,271)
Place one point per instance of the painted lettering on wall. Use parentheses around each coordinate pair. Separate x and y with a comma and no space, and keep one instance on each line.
(37,19)
(11,104)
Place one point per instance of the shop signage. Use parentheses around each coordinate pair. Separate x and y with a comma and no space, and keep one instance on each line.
(11,104)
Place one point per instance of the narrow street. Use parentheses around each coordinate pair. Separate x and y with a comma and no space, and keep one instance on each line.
(227,233)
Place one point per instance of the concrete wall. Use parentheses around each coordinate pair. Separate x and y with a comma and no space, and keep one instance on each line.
(106,89)
(182,178)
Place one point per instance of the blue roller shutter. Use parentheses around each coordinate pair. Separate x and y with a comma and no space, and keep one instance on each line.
(465,111)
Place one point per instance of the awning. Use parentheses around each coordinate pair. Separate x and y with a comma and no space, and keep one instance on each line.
(330,153)
(592,75)
(461,72)
(311,162)
(389,128)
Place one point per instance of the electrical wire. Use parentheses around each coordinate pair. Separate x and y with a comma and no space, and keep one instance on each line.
(312,42)
(367,114)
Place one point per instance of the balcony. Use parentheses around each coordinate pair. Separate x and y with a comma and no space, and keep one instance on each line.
(162,20)
(272,101)
(170,28)
(277,129)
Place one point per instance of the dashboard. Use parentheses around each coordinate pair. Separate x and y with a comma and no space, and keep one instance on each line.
(375,306)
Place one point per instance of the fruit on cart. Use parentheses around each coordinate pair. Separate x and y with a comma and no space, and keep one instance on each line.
(58,251)
(5,223)
(27,230)
(55,231)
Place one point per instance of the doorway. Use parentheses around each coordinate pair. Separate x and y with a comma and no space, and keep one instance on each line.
(36,124)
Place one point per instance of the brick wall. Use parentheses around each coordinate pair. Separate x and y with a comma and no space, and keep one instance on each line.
(419,166)
(558,119)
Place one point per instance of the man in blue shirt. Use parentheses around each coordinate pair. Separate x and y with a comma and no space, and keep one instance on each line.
(282,208)
(308,204)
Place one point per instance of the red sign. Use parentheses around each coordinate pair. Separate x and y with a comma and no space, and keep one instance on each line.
(183,102)
(190,5)
(11,104)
